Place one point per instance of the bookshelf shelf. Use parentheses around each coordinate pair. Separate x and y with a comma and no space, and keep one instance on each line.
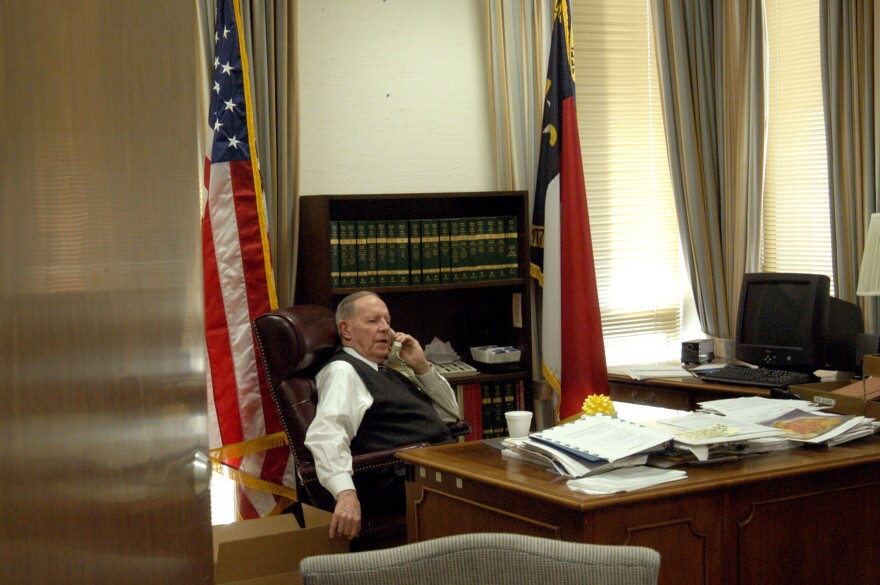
(465,314)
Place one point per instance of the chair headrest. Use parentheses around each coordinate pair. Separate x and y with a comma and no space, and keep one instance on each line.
(295,339)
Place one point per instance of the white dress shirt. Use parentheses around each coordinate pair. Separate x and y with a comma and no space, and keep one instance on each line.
(343,399)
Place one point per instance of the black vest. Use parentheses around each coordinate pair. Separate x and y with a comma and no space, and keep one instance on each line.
(401,413)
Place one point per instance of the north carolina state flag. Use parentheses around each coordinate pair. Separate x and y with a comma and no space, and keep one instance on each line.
(571,343)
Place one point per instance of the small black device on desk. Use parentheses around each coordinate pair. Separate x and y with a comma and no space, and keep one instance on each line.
(697,351)
(761,377)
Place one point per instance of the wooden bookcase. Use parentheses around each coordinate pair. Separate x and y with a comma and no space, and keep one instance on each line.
(466,314)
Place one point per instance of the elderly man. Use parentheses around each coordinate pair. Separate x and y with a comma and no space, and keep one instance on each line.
(365,407)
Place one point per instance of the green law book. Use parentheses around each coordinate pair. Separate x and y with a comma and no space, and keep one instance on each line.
(398,252)
(470,274)
(499,426)
(430,251)
(415,252)
(488,415)
(464,254)
(497,249)
(511,257)
(456,261)
(509,396)
(381,253)
(334,254)
(445,252)
(481,237)
(347,254)
(367,256)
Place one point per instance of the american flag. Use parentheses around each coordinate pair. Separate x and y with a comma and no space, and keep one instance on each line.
(238,279)
(572,344)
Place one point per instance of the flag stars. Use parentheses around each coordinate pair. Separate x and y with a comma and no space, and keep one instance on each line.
(216,62)
(217,87)
(227,69)
(217,125)
(230,105)
(234,142)
(226,32)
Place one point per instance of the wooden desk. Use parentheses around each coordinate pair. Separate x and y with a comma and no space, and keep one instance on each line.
(800,516)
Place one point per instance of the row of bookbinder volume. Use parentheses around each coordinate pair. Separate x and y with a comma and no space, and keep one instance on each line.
(412,252)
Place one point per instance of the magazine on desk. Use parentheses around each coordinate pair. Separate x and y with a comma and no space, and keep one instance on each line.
(824,428)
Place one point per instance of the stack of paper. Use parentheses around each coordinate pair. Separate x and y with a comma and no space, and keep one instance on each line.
(822,428)
(602,437)
(703,434)
(562,462)
(800,421)
(625,480)
(756,409)
(590,444)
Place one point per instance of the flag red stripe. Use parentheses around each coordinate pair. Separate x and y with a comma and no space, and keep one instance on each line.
(583,349)
(217,341)
(245,508)
(253,260)
(250,238)
(252,252)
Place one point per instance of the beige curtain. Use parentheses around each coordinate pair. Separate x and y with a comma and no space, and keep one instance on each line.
(269,27)
(711,63)
(848,32)
(518,39)
(517,35)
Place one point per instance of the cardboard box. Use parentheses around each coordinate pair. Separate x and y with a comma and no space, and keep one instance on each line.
(838,396)
(871,365)
(267,551)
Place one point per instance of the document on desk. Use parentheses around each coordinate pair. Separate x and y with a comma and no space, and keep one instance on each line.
(698,428)
(643,372)
(604,437)
(561,460)
(756,409)
(625,480)
(819,427)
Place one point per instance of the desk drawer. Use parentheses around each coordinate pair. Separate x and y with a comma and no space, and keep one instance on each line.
(649,395)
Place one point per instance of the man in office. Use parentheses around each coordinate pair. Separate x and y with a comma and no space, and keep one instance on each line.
(365,407)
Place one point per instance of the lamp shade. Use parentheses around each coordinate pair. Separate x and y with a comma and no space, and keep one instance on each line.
(869,271)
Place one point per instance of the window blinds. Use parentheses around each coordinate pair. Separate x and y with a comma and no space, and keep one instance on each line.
(797,232)
(632,212)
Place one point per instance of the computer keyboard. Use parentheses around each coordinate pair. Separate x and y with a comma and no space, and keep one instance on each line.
(762,377)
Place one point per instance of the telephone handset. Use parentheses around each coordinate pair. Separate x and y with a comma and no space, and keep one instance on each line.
(394,354)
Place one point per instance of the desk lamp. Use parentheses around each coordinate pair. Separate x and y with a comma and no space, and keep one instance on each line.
(869,286)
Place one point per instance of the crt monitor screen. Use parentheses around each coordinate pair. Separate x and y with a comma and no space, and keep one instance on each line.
(774,313)
(783,320)
(789,321)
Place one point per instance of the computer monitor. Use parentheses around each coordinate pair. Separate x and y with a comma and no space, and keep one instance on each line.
(790,321)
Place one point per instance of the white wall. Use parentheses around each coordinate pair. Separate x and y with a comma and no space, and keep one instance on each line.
(394,97)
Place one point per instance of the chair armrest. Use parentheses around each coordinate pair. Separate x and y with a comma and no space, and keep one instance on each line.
(459,428)
(364,462)
(380,459)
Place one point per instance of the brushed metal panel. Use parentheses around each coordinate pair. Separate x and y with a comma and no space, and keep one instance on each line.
(102,368)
